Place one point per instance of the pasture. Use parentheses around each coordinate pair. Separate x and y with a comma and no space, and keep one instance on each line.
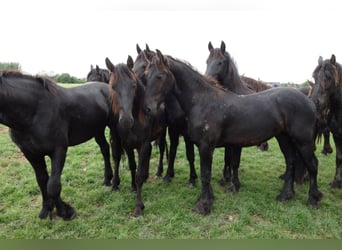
(103,214)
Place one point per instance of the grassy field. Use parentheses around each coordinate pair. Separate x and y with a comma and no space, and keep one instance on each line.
(103,214)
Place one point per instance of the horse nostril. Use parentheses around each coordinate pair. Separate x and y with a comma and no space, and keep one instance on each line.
(148,110)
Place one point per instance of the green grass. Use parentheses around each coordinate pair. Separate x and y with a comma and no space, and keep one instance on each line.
(103,214)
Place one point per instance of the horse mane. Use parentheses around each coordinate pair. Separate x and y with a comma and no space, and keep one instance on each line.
(255,85)
(47,83)
(208,79)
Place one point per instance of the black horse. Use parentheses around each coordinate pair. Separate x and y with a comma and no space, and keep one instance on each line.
(221,67)
(327,149)
(219,118)
(135,130)
(176,123)
(45,119)
(327,95)
(98,75)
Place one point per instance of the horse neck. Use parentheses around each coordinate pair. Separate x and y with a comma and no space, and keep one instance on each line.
(17,104)
(336,94)
(234,83)
(190,87)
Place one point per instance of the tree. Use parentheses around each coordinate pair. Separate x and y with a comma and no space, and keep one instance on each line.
(10,66)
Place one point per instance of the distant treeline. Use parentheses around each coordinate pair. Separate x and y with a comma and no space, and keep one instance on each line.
(10,66)
(62,78)
(67,78)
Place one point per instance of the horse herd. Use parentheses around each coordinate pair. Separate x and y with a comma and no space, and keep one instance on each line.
(144,100)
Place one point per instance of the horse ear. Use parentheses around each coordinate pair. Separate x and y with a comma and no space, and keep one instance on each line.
(138,49)
(333,59)
(161,57)
(91,67)
(210,46)
(147,48)
(130,62)
(320,60)
(223,47)
(97,68)
(109,65)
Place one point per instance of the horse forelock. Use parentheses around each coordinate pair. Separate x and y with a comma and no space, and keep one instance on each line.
(337,70)
(121,72)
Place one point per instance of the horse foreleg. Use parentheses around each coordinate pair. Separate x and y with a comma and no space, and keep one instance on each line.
(206,199)
(54,186)
(116,154)
(327,149)
(132,167)
(141,176)
(104,146)
(161,144)
(42,177)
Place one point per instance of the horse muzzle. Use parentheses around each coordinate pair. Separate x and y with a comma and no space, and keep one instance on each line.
(126,121)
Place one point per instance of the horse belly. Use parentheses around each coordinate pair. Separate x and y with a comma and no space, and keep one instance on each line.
(252,130)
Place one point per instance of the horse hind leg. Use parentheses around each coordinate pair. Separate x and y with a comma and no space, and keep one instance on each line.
(190,155)
(289,153)
(104,147)
(311,162)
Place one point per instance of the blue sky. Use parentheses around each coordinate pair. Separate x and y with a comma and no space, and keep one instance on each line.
(269,40)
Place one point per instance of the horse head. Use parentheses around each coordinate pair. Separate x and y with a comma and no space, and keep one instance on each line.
(97,75)
(327,87)
(122,87)
(159,82)
(141,62)
(218,62)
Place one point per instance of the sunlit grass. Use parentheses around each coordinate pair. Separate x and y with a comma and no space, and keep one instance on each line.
(169,212)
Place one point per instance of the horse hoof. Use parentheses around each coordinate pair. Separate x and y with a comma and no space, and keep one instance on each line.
(222,182)
(44,213)
(336,184)
(285,196)
(107,183)
(233,189)
(167,178)
(204,207)
(66,212)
